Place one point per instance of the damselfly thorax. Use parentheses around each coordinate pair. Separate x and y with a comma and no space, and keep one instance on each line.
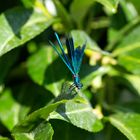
(77,82)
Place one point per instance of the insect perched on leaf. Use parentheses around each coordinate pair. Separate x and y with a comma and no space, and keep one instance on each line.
(73,60)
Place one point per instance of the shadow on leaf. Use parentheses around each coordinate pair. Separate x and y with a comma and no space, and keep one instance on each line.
(18,18)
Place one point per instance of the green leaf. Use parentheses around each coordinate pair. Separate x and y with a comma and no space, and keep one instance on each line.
(9,109)
(136,4)
(79,114)
(63,14)
(114,31)
(80,37)
(111,5)
(91,73)
(6,62)
(127,7)
(20,25)
(78,9)
(127,21)
(4,138)
(28,3)
(43,113)
(43,131)
(46,70)
(69,131)
(18,101)
(128,51)
(131,106)
(36,117)
(129,81)
(134,80)
(77,111)
(128,124)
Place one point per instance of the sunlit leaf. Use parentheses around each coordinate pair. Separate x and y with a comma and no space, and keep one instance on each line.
(128,51)
(18,101)
(19,25)
(134,80)
(78,113)
(111,5)
(80,37)
(43,131)
(11,108)
(63,14)
(128,124)
(46,70)
(36,117)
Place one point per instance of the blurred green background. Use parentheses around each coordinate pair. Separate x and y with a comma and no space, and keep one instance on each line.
(35,101)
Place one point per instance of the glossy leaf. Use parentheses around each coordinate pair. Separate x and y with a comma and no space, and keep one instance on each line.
(11,108)
(80,37)
(63,14)
(44,69)
(131,106)
(71,108)
(114,32)
(128,124)
(79,114)
(128,20)
(136,4)
(134,80)
(18,101)
(43,131)
(36,117)
(20,25)
(128,51)
(31,99)
(69,131)
(127,7)
(111,5)
(79,10)
(91,73)
(43,113)
(27,3)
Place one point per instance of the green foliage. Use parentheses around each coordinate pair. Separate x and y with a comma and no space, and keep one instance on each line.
(41,132)
(36,102)
(128,124)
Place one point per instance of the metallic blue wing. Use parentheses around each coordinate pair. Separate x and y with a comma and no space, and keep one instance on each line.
(62,57)
(62,50)
(70,49)
(78,56)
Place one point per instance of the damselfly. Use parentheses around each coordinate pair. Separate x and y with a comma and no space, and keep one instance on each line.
(73,60)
